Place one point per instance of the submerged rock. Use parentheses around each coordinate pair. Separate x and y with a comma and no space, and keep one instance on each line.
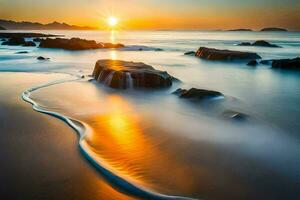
(122,75)
(259,43)
(190,53)
(273,29)
(237,116)
(14,41)
(291,64)
(42,58)
(225,55)
(252,63)
(198,94)
(22,52)
(76,44)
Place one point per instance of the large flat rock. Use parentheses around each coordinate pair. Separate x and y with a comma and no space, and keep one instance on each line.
(225,55)
(123,74)
(76,44)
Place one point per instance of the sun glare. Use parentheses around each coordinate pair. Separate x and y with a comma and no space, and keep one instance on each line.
(112,21)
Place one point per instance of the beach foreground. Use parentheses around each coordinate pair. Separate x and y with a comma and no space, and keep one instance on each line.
(40,156)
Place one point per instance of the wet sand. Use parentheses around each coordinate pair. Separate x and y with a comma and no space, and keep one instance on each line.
(39,154)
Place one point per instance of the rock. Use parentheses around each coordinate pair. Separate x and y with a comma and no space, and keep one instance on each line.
(198,94)
(42,58)
(259,43)
(190,53)
(252,63)
(29,44)
(291,64)
(2,28)
(122,75)
(273,29)
(3,40)
(245,44)
(263,43)
(241,29)
(76,44)
(237,116)
(22,52)
(225,55)
(14,41)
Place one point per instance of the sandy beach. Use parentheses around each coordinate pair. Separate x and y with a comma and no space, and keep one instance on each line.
(40,156)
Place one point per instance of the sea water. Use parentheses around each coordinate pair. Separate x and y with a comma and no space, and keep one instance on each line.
(164,145)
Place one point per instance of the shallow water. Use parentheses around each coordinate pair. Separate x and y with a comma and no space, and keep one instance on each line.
(171,146)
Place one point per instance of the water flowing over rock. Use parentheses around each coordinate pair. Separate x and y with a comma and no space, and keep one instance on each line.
(123,75)
(190,53)
(291,64)
(198,94)
(76,44)
(14,41)
(225,55)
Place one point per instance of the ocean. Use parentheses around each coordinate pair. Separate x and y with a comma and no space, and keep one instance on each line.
(154,145)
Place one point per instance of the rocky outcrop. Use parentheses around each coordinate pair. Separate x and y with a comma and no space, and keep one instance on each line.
(273,29)
(2,28)
(197,94)
(18,42)
(225,55)
(76,44)
(259,43)
(123,75)
(290,64)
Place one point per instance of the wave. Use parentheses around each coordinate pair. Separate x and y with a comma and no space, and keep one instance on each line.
(82,129)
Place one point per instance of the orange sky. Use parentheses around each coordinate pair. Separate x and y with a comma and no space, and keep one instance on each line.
(158,14)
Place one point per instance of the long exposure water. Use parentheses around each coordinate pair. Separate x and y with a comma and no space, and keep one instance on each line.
(171,146)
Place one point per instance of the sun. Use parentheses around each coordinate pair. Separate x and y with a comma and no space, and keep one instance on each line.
(112,21)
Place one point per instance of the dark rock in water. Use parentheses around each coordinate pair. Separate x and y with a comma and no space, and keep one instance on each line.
(42,58)
(263,43)
(259,43)
(14,41)
(2,28)
(3,40)
(37,39)
(266,62)
(241,29)
(291,64)
(190,53)
(273,29)
(225,55)
(29,44)
(22,52)
(237,116)
(252,63)
(245,44)
(122,74)
(197,94)
(76,44)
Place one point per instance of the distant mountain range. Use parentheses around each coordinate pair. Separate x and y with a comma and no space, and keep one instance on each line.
(13,25)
